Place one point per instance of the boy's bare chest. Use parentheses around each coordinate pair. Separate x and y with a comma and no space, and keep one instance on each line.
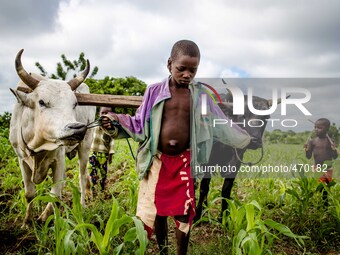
(179,101)
(321,144)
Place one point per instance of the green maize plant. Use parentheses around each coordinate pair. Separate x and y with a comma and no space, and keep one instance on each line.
(249,233)
(334,197)
(303,190)
(103,242)
(67,232)
(55,236)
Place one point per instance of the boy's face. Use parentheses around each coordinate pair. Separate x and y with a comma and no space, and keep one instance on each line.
(320,128)
(104,111)
(183,69)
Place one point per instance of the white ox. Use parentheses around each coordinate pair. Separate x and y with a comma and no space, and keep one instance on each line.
(47,123)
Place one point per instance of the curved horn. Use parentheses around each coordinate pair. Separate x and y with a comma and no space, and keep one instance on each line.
(24,76)
(75,82)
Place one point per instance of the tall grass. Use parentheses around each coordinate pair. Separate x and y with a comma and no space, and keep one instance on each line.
(261,215)
(249,233)
(291,199)
(67,232)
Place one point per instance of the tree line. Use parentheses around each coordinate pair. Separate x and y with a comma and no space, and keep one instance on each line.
(291,137)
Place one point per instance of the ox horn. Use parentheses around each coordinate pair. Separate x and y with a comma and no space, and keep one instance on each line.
(24,76)
(75,82)
(229,97)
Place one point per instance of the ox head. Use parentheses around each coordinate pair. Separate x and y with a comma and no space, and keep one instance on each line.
(46,112)
(253,124)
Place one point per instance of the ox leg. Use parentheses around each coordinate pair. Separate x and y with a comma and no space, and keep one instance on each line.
(226,192)
(83,178)
(29,191)
(203,198)
(58,175)
(83,157)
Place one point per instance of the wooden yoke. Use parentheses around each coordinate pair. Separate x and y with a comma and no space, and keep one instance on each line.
(109,100)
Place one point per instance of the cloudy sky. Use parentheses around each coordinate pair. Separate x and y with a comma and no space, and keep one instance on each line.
(238,39)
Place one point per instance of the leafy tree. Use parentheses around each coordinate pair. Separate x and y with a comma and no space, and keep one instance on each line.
(276,136)
(5,120)
(288,137)
(334,133)
(291,132)
(294,139)
(66,66)
(128,86)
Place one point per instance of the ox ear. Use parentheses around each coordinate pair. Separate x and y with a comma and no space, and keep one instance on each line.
(23,98)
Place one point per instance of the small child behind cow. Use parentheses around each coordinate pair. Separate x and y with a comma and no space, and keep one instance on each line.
(102,151)
(324,150)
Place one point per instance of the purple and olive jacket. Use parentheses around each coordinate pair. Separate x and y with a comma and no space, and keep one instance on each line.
(145,126)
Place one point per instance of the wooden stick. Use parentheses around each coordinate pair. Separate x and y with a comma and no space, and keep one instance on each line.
(311,121)
(109,100)
(330,140)
(311,133)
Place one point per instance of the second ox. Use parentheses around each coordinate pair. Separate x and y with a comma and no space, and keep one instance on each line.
(223,155)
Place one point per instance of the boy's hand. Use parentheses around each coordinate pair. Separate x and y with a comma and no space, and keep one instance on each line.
(306,147)
(107,119)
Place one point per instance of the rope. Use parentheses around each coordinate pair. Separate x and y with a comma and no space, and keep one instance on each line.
(249,163)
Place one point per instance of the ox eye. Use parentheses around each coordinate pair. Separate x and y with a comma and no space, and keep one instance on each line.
(42,103)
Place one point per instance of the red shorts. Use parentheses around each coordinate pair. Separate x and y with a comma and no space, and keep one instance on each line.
(327,177)
(168,190)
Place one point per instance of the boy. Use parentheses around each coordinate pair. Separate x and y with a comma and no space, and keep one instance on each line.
(323,149)
(102,150)
(168,149)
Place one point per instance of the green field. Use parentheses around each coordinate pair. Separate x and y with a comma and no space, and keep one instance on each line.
(269,214)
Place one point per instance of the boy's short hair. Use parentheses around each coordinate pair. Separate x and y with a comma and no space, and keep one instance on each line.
(324,122)
(108,107)
(185,47)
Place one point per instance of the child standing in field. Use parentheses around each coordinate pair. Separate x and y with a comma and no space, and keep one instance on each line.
(102,151)
(169,139)
(324,150)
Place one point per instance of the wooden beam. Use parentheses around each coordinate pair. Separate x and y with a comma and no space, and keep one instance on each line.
(109,100)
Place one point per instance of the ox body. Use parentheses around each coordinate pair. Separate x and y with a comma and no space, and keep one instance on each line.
(224,155)
(46,124)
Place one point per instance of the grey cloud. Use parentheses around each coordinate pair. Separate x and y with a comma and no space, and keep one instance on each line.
(26,17)
(251,38)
